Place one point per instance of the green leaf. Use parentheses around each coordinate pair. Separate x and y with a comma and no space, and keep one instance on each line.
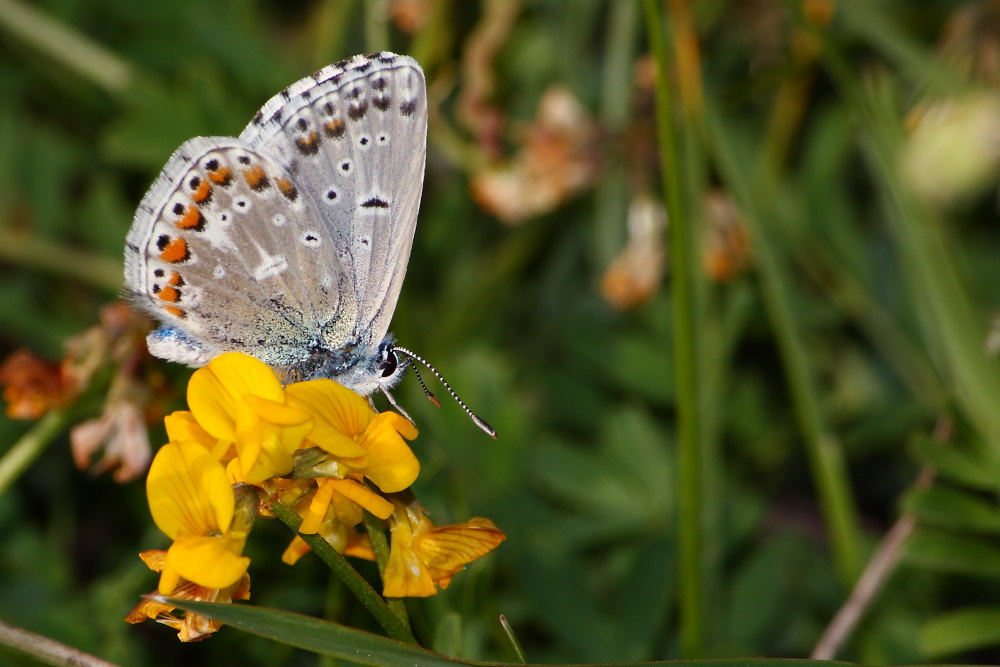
(626,485)
(316,635)
(945,552)
(961,630)
(448,633)
(952,508)
(961,464)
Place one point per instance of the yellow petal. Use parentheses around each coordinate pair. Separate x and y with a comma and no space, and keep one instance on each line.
(337,443)
(346,511)
(391,466)
(195,627)
(451,547)
(169,579)
(333,404)
(181,425)
(316,513)
(404,426)
(188,491)
(212,562)
(290,424)
(148,610)
(276,412)
(243,375)
(154,558)
(269,456)
(211,404)
(370,500)
(263,446)
(294,436)
(405,575)
(296,549)
(359,546)
(234,471)
(215,390)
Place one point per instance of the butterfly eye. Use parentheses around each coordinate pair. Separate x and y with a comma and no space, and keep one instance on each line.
(388,365)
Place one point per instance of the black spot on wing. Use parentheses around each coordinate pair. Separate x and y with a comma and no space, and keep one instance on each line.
(375,202)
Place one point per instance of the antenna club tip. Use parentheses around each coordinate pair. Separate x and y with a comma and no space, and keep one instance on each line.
(434,401)
(487,429)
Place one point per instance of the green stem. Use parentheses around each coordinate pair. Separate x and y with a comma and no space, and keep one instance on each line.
(952,329)
(684,275)
(949,320)
(69,48)
(823,450)
(512,638)
(46,650)
(376,533)
(26,450)
(36,253)
(354,582)
(846,291)
(380,545)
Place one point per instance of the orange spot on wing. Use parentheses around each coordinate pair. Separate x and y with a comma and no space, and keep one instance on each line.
(169,293)
(175,251)
(175,311)
(192,218)
(221,176)
(175,279)
(308,145)
(335,128)
(255,177)
(202,193)
(286,188)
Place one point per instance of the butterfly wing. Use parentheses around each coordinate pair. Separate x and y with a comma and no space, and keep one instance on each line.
(354,136)
(228,253)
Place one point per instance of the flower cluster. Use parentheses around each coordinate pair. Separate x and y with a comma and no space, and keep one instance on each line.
(34,386)
(247,443)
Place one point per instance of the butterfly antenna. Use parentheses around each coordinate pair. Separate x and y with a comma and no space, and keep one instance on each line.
(427,392)
(476,419)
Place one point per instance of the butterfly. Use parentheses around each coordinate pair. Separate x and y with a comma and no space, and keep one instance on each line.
(290,242)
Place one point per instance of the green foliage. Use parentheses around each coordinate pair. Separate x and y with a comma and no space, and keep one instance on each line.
(960,630)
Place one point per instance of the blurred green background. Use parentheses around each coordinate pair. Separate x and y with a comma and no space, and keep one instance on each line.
(837,165)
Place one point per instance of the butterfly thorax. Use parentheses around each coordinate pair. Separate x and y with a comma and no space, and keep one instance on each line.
(354,365)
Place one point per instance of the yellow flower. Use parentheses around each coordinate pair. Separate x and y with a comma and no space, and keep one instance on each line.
(190,627)
(316,446)
(237,398)
(193,503)
(181,425)
(424,556)
(342,537)
(345,498)
(360,440)
(359,443)
(332,510)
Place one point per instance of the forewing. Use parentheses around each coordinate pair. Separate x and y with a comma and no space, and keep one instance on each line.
(225,248)
(354,135)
